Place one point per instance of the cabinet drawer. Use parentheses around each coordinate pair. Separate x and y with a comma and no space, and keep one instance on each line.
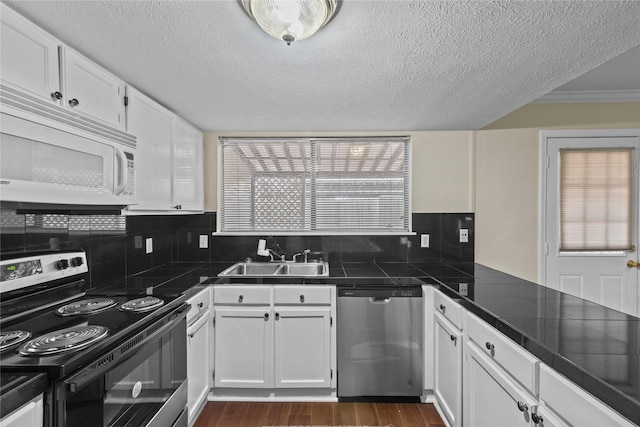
(301,295)
(519,363)
(242,295)
(199,304)
(450,309)
(574,404)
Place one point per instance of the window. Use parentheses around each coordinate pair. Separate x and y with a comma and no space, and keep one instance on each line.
(595,199)
(322,185)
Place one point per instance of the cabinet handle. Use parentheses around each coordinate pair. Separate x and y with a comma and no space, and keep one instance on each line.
(266,316)
(240,298)
(537,419)
(200,304)
(454,339)
(57,95)
(442,307)
(277,316)
(74,102)
(489,346)
(522,406)
(301,298)
(178,207)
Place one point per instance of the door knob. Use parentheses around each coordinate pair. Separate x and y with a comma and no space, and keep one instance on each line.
(633,264)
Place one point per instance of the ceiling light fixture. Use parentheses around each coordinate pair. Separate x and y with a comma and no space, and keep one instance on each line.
(291,20)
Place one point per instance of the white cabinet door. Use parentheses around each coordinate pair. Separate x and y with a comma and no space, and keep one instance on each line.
(302,347)
(198,363)
(187,167)
(448,369)
(91,90)
(29,56)
(491,397)
(152,125)
(243,347)
(29,414)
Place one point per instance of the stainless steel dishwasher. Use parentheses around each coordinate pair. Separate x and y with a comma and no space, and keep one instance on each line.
(380,341)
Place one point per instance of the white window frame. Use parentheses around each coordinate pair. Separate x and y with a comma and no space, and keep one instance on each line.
(368,232)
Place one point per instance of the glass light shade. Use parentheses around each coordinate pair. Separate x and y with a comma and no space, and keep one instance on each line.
(290,20)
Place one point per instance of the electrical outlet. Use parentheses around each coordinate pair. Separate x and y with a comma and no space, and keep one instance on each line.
(424,240)
(137,242)
(149,243)
(464,235)
(204,241)
(463,289)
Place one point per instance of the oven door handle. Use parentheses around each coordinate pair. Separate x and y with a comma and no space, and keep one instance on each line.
(125,350)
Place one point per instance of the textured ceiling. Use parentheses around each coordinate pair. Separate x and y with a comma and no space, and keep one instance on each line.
(378,65)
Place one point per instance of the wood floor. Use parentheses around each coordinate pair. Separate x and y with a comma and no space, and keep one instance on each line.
(259,414)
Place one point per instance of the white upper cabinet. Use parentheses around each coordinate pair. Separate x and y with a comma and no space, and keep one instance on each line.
(187,179)
(89,89)
(29,57)
(152,125)
(36,64)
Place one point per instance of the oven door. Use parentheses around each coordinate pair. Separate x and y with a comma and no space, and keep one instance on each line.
(148,388)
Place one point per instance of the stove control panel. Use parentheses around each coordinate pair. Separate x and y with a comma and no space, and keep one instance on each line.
(17,273)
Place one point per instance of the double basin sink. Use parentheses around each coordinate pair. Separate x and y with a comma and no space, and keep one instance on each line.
(277,269)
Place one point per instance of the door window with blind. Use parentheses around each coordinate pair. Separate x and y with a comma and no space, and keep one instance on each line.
(323,185)
(596,199)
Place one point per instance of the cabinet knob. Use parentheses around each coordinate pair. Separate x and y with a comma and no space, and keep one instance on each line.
(301,298)
(240,298)
(537,419)
(489,346)
(277,316)
(178,207)
(266,316)
(200,304)
(57,95)
(453,337)
(442,307)
(522,406)
(74,102)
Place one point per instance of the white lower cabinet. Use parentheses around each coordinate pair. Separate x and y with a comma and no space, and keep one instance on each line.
(491,397)
(198,356)
(243,347)
(562,403)
(448,343)
(273,337)
(29,414)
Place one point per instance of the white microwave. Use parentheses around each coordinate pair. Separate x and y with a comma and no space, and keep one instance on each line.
(48,162)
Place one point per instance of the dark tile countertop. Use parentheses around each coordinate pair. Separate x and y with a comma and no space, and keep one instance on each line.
(595,347)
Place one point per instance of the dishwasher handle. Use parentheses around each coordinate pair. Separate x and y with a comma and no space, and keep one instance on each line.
(379,300)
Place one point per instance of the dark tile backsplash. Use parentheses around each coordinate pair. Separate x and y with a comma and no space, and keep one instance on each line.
(116,246)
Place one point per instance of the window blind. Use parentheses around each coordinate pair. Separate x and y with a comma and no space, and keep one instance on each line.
(595,199)
(315,185)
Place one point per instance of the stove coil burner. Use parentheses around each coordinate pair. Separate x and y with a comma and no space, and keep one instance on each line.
(10,338)
(141,305)
(63,340)
(86,306)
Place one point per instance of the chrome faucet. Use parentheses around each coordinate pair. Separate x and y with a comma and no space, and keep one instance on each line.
(306,253)
(264,251)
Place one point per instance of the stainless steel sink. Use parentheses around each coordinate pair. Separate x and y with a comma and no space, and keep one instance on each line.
(290,269)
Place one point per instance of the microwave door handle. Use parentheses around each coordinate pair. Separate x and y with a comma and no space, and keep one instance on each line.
(121,158)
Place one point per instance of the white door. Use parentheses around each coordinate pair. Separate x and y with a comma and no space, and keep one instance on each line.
(152,125)
(243,347)
(187,167)
(599,274)
(303,347)
(198,364)
(448,369)
(29,56)
(92,90)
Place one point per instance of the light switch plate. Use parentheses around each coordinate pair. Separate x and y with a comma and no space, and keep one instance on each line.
(464,235)
(424,240)
(149,243)
(204,241)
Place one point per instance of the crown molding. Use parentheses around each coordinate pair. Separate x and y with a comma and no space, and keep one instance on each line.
(576,97)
